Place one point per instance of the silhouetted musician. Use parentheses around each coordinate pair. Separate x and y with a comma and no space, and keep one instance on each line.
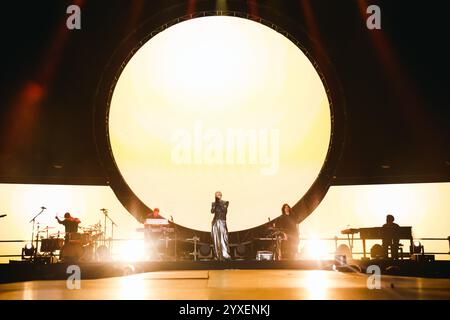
(390,233)
(156,237)
(288,223)
(390,237)
(70,224)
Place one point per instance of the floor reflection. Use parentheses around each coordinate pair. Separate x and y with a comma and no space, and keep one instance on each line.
(132,288)
(233,284)
(317,284)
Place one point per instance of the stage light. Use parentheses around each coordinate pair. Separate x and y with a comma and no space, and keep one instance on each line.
(316,249)
(417,247)
(28,250)
(132,251)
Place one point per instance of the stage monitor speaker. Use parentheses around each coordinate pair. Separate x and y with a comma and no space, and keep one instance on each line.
(264,255)
(241,251)
(205,251)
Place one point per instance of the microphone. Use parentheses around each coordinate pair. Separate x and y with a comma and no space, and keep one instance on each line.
(2,215)
(43,208)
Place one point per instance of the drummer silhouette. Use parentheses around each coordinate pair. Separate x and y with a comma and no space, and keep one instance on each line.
(70,224)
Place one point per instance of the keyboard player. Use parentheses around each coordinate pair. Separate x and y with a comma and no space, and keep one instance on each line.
(288,223)
(153,234)
(154,214)
(390,237)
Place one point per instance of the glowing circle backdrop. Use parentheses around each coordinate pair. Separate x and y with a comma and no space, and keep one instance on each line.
(219,103)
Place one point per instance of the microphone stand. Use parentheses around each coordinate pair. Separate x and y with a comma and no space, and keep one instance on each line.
(105,212)
(176,237)
(32,232)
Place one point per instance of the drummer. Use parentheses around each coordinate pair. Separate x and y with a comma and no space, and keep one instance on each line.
(70,224)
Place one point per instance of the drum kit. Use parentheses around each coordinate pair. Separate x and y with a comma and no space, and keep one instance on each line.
(74,247)
(89,245)
(49,244)
(81,246)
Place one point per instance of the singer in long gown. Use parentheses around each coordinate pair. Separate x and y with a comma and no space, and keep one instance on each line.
(219,230)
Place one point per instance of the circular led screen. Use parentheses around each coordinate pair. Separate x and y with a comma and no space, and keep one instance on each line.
(219,103)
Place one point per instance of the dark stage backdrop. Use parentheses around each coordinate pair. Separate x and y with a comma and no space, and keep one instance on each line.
(395,83)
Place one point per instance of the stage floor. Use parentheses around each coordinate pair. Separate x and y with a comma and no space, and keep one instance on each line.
(233,284)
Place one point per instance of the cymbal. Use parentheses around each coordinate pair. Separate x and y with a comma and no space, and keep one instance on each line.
(56,234)
(46,228)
